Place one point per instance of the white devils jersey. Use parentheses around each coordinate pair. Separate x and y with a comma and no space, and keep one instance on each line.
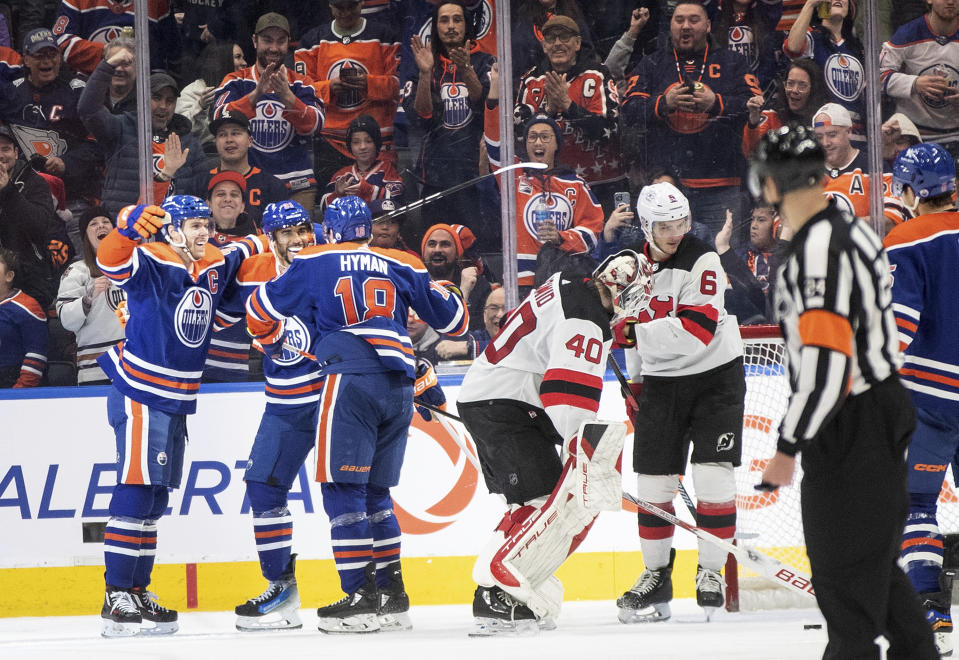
(685,329)
(550,354)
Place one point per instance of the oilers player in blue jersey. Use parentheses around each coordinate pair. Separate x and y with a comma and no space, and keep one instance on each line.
(172,288)
(924,255)
(358,299)
(288,427)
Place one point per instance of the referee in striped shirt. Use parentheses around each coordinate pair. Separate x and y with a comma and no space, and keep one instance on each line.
(847,412)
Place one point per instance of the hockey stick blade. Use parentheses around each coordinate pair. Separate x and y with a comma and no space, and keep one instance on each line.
(460,186)
(462,441)
(764,565)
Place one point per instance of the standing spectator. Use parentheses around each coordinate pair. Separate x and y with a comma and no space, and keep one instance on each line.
(572,88)
(692,99)
(87,301)
(177,157)
(372,176)
(231,132)
(803,92)
(122,94)
(283,109)
(554,207)
(368,392)
(28,223)
(527,30)
(207,22)
(84,26)
(216,60)
(848,413)
(831,44)
(353,63)
(23,330)
(923,254)
(33,14)
(832,124)
(620,57)
(445,257)
(446,104)
(173,288)
(41,110)
(746,27)
(386,234)
(920,73)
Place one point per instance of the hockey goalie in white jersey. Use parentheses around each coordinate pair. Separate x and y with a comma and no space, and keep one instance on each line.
(537,385)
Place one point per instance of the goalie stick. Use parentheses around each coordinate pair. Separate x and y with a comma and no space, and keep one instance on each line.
(764,565)
(449,191)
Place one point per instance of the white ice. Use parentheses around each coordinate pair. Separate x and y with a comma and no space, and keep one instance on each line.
(586,631)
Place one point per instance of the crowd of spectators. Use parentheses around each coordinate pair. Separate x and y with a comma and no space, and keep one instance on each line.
(254,101)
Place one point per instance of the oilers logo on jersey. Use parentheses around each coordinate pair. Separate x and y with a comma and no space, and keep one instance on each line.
(271,132)
(938,69)
(742,40)
(558,208)
(193,316)
(844,76)
(347,98)
(297,336)
(456,105)
(39,141)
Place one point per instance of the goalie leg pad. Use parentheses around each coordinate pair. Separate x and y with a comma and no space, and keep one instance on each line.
(599,465)
(539,546)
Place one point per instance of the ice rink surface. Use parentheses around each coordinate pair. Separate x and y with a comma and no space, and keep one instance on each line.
(586,630)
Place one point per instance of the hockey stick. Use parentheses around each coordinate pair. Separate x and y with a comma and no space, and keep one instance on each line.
(461,186)
(309,356)
(764,565)
(462,442)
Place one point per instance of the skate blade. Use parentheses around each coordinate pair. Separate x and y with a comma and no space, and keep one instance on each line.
(286,621)
(649,614)
(357,623)
(944,644)
(394,622)
(547,623)
(709,610)
(116,629)
(489,627)
(165,628)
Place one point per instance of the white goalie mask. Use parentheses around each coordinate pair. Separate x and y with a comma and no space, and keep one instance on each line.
(661,202)
(629,277)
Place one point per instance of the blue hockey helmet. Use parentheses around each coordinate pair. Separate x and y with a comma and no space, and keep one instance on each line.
(183,207)
(926,168)
(279,215)
(348,219)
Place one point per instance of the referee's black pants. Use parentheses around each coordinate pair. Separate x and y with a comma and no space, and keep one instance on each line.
(854,505)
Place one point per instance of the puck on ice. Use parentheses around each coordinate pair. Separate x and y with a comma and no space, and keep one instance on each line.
(812,626)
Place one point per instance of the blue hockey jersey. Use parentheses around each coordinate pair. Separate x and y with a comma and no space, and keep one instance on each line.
(160,362)
(23,341)
(358,299)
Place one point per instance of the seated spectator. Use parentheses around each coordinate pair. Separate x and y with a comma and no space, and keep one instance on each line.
(216,60)
(832,44)
(833,126)
(572,88)
(11,64)
(41,110)
(920,73)
(28,224)
(371,177)
(746,27)
(800,96)
(84,26)
(282,106)
(528,20)
(554,207)
(444,255)
(353,62)
(23,330)
(231,131)
(750,269)
(177,157)
(87,301)
(493,313)
(431,345)
(898,134)
(386,234)
(122,94)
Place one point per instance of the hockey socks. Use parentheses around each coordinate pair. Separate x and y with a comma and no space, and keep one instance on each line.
(385,530)
(922,543)
(130,538)
(718,518)
(656,536)
(350,534)
(121,550)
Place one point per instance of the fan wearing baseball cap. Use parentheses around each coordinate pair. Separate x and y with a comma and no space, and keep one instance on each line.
(833,126)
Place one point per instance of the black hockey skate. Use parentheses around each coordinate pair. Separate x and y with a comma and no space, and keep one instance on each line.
(393,604)
(355,612)
(709,590)
(277,608)
(648,600)
(495,612)
(938,607)
(157,620)
(120,615)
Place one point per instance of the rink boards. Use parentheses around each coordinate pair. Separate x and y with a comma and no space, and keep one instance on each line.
(57,472)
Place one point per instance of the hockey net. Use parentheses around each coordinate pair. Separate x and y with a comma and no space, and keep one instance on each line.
(771,522)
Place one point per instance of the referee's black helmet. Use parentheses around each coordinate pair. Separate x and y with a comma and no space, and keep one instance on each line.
(791,156)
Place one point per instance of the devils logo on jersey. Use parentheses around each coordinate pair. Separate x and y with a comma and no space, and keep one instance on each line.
(456,105)
(270,131)
(844,76)
(193,316)
(559,208)
(347,98)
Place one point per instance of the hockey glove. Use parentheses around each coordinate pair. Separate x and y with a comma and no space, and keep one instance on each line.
(140,221)
(427,389)
(271,341)
(624,335)
(123,313)
(632,403)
